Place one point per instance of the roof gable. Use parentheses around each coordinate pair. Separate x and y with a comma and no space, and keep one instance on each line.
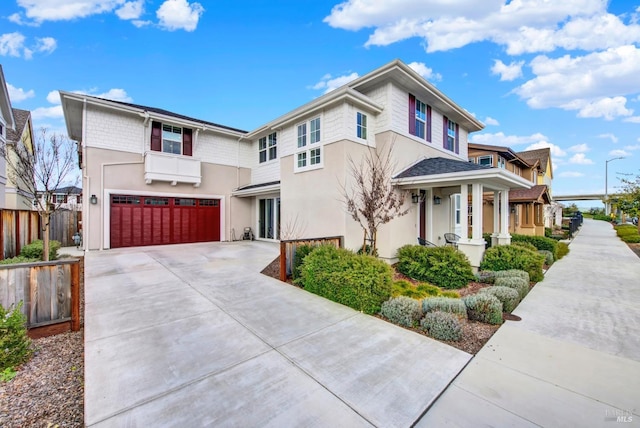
(21,118)
(439,165)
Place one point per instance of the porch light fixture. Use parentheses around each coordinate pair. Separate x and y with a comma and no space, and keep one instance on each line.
(93,199)
(437,200)
(415,198)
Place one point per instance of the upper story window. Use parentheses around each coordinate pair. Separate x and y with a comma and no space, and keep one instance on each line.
(268,148)
(59,199)
(309,151)
(361,125)
(419,118)
(501,162)
(485,160)
(171,139)
(516,170)
(451,135)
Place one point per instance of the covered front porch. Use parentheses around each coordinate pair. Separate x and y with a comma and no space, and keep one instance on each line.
(449,194)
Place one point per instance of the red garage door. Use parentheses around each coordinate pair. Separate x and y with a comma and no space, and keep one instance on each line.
(152,220)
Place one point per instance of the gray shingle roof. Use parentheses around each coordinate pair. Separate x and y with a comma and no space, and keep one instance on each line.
(433,166)
(21,118)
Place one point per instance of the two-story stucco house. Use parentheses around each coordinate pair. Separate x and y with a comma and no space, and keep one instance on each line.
(7,124)
(160,177)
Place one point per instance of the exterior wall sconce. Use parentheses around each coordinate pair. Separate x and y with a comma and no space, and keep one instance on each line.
(415,198)
(93,199)
(437,200)
(513,210)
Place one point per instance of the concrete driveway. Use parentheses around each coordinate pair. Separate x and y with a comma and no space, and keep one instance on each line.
(194,335)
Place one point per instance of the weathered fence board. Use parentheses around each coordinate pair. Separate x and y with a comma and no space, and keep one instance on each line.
(63,224)
(17,229)
(288,251)
(49,290)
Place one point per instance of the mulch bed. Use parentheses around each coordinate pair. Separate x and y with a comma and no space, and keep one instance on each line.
(474,334)
(635,248)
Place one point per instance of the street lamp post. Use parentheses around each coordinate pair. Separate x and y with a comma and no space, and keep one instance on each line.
(607,206)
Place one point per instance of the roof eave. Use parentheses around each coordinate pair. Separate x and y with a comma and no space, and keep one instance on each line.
(508,179)
(256,191)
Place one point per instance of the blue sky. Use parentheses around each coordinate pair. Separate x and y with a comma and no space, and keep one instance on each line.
(563,74)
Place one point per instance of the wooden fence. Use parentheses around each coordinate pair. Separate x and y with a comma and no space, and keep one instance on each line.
(17,229)
(288,251)
(63,224)
(50,292)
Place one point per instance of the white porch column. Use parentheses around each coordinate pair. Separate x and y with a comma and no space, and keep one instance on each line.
(473,248)
(429,225)
(504,238)
(496,217)
(464,212)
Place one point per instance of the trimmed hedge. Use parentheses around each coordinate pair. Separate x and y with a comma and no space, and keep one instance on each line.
(402,310)
(484,308)
(442,326)
(402,287)
(548,257)
(526,245)
(517,283)
(34,250)
(513,272)
(18,259)
(445,267)
(444,304)
(301,252)
(540,242)
(509,297)
(486,276)
(505,257)
(358,281)
(563,250)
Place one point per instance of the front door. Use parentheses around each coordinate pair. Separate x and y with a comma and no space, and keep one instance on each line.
(269,218)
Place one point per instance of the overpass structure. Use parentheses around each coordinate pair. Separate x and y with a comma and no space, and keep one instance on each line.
(581,197)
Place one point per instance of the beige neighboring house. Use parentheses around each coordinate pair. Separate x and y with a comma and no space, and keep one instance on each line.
(544,177)
(15,196)
(66,198)
(527,207)
(7,124)
(158,177)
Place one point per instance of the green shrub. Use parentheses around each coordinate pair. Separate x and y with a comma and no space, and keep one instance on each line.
(484,308)
(509,297)
(548,257)
(360,282)
(402,287)
(487,239)
(548,232)
(540,242)
(34,250)
(505,257)
(15,345)
(442,326)
(445,267)
(519,284)
(444,304)
(486,276)
(563,250)
(367,250)
(301,252)
(18,259)
(529,246)
(402,310)
(511,273)
(631,239)
(450,294)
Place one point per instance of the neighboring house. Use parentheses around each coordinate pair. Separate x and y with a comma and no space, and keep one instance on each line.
(22,136)
(544,177)
(66,198)
(159,177)
(527,207)
(7,124)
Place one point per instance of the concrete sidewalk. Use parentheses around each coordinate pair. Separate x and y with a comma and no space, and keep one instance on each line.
(573,360)
(193,335)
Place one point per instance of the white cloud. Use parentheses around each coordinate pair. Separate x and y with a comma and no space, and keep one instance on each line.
(619,152)
(140,23)
(12,44)
(500,139)
(579,148)
(507,72)
(555,150)
(491,121)
(632,119)
(571,174)
(424,71)
(179,15)
(329,83)
(593,84)
(131,10)
(522,26)
(53,97)
(18,94)
(115,94)
(54,112)
(46,44)
(580,159)
(632,148)
(610,136)
(64,10)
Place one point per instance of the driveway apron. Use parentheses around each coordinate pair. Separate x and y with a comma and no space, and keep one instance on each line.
(194,335)
(573,360)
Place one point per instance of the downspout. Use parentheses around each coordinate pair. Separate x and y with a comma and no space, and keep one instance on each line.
(85,205)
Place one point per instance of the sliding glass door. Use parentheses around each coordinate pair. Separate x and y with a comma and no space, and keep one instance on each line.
(269,218)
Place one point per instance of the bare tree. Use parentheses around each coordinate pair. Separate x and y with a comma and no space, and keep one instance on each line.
(39,170)
(292,228)
(373,201)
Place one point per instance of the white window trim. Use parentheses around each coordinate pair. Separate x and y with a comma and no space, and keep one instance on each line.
(365,127)
(308,147)
(484,157)
(267,147)
(417,119)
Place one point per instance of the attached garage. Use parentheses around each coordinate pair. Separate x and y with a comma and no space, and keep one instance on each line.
(151,220)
